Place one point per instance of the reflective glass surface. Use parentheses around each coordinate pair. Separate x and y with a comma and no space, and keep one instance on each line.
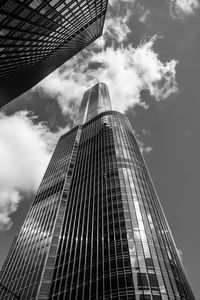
(95,101)
(96,229)
(37,36)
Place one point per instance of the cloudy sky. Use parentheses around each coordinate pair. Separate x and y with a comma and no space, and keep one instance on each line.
(149,58)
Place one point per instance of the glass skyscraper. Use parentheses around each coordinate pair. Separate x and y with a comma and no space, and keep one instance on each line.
(96,229)
(37,36)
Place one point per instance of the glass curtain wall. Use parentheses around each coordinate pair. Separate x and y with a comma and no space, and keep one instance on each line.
(96,229)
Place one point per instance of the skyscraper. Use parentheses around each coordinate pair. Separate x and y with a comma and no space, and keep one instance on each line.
(96,229)
(37,36)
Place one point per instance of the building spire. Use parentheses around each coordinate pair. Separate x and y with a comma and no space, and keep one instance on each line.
(95,101)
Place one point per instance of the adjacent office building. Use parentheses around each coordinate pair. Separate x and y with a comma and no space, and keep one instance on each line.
(37,36)
(96,229)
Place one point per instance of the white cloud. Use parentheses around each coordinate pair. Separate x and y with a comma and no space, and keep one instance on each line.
(117,28)
(9,200)
(126,70)
(144,149)
(117,2)
(146,132)
(144,16)
(182,8)
(25,147)
(63,88)
(129,8)
(24,154)
(180,254)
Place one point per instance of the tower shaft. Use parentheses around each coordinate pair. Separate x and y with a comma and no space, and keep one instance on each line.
(96,228)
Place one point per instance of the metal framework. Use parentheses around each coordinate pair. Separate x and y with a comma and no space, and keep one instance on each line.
(96,229)
(37,36)
(7,291)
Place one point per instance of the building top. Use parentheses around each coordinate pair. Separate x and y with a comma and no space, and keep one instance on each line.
(95,101)
(36,37)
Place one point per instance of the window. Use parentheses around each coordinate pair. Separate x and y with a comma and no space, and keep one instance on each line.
(142,281)
(153,281)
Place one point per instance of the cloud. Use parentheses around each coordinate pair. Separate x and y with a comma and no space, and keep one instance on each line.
(144,16)
(9,201)
(146,132)
(126,70)
(115,3)
(144,149)
(180,254)
(26,147)
(181,8)
(25,150)
(117,28)
(63,88)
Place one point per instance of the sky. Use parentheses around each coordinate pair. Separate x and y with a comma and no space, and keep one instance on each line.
(149,58)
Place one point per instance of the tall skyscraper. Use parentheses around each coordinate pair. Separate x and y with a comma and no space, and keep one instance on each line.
(37,36)
(96,229)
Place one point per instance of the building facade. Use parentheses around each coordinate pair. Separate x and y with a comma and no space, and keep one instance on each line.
(96,229)
(37,36)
